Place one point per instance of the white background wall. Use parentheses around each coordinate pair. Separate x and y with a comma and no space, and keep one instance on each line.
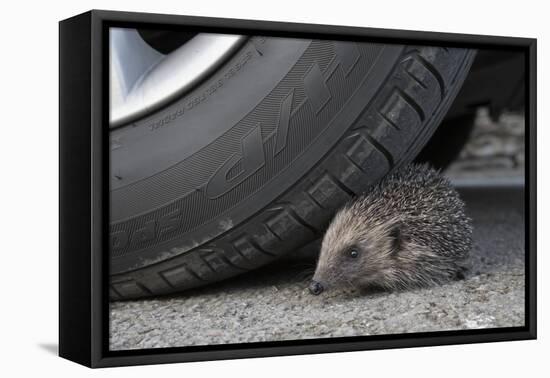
(29,189)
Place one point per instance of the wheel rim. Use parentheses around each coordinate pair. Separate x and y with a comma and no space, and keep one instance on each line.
(143,79)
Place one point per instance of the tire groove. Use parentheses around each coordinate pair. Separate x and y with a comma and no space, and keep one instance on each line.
(379,147)
(417,80)
(314,200)
(389,121)
(437,75)
(416,106)
(161,275)
(271,230)
(192,272)
(144,288)
(229,262)
(340,185)
(238,251)
(112,287)
(257,246)
(221,253)
(207,263)
(301,220)
(353,163)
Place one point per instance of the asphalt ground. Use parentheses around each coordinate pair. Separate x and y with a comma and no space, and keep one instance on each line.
(273,303)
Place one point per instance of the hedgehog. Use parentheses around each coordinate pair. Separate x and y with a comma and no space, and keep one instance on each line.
(408,231)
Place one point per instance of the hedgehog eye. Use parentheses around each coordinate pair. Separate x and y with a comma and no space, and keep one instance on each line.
(353,253)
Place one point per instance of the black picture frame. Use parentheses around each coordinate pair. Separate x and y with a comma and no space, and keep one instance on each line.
(83,196)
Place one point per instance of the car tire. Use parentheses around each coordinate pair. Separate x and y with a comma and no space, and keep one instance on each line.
(254,161)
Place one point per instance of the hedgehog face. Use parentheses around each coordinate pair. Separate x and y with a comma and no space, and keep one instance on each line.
(356,254)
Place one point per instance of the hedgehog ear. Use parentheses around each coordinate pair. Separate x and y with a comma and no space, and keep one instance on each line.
(397,238)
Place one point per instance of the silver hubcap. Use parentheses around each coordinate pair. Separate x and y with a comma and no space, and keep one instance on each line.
(142,79)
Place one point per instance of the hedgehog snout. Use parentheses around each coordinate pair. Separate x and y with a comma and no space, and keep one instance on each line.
(316,287)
